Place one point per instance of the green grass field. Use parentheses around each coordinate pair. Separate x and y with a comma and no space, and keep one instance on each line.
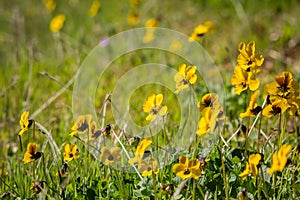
(234,147)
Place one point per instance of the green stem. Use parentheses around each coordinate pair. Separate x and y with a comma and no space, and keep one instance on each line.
(166,138)
(194,189)
(294,184)
(196,147)
(223,169)
(154,185)
(259,182)
(263,182)
(20,139)
(248,125)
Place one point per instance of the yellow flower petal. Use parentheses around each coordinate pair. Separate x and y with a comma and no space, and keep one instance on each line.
(57,23)
(163,111)
(159,98)
(142,146)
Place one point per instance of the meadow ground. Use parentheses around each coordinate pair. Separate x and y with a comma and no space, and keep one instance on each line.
(201,102)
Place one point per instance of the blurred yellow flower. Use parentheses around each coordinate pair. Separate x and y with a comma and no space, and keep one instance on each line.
(253,109)
(208,100)
(57,23)
(149,35)
(211,118)
(71,151)
(25,123)
(277,107)
(140,150)
(81,124)
(63,170)
(134,3)
(187,168)
(249,60)
(149,167)
(279,159)
(152,22)
(133,18)
(37,187)
(95,132)
(201,30)
(94,9)
(243,195)
(242,79)
(50,5)
(109,157)
(185,77)
(153,106)
(251,166)
(31,154)
(176,45)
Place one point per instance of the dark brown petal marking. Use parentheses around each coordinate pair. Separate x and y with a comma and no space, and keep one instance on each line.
(30,122)
(83,127)
(186,172)
(256,110)
(110,158)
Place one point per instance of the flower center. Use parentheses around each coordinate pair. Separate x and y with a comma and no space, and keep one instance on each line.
(110,158)
(186,172)
(83,127)
(276,110)
(185,82)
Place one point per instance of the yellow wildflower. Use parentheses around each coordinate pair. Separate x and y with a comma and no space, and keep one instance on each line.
(242,79)
(185,76)
(94,9)
(109,157)
(81,124)
(208,100)
(253,109)
(94,132)
(134,3)
(149,167)
(286,90)
(279,159)
(251,166)
(284,86)
(25,123)
(151,23)
(187,168)
(153,106)
(63,170)
(243,195)
(249,60)
(201,30)
(57,23)
(71,151)
(31,154)
(140,151)
(133,18)
(176,45)
(277,107)
(38,187)
(149,36)
(211,116)
(50,5)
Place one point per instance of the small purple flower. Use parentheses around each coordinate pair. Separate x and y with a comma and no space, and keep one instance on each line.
(104,41)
